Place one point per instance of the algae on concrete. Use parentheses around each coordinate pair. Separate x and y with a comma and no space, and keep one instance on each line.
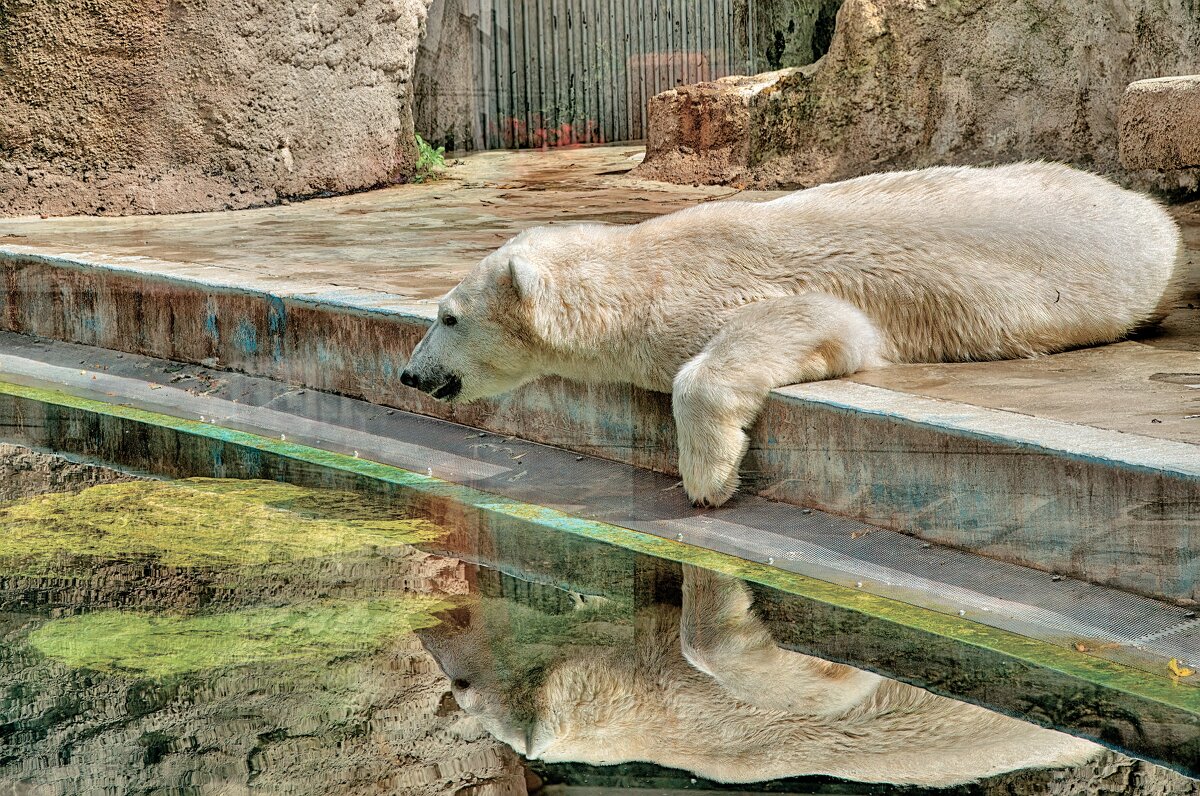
(212,523)
(144,645)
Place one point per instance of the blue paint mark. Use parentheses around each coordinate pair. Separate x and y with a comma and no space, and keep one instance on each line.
(276,325)
(324,355)
(246,337)
(210,321)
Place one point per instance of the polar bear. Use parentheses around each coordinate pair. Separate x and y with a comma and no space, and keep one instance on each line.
(705,688)
(719,303)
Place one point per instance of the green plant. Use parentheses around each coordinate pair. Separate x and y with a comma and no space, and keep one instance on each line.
(430,162)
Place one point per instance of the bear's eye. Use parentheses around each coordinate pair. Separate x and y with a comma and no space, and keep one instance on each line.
(449,320)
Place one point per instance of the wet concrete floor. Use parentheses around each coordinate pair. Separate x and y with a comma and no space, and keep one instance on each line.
(407,245)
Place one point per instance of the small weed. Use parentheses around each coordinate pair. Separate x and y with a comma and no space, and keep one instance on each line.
(430,162)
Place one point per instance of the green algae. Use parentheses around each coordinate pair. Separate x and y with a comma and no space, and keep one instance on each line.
(145,645)
(197,522)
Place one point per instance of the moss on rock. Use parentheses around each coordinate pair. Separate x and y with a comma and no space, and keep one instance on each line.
(145,645)
(196,522)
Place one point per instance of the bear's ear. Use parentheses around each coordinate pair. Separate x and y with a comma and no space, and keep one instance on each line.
(526,277)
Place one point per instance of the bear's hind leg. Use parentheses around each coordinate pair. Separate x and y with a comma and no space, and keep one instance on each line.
(718,394)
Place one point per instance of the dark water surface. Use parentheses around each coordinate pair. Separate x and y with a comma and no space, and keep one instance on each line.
(238,636)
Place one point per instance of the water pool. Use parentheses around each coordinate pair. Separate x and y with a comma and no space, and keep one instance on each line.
(316,632)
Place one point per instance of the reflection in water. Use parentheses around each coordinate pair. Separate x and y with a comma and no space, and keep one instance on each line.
(705,688)
(231,637)
(227,637)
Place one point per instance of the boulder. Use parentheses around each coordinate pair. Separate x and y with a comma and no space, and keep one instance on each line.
(1160,124)
(911,83)
(121,107)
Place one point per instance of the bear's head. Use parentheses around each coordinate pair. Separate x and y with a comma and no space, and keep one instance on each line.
(508,321)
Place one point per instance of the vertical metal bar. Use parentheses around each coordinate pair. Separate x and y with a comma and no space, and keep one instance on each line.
(479,83)
(710,39)
(621,24)
(730,43)
(669,43)
(568,69)
(751,22)
(510,78)
(601,38)
(521,64)
(614,108)
(684,44)
(589,68)
(555,68)
(537,95)
(632,24)
(639,63)
(656,48)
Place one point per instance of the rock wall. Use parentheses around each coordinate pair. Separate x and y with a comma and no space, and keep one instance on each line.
(909,83)
(445,98)
(25,472)
(787,32)
(118,107)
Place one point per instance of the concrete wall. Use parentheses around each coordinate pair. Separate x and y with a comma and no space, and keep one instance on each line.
(117,107)
(1039,493)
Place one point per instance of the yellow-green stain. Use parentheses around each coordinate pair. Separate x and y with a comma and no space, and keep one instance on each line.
(196,522)
(144,645)
(1103,673)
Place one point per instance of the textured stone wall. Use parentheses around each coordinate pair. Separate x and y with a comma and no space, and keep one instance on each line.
(445,99)
(25,472)
(159,106)
(787,32)
(909,83)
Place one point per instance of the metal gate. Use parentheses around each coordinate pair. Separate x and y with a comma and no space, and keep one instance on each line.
(559,72)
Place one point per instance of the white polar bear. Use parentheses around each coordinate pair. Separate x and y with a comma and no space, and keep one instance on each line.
(720,303)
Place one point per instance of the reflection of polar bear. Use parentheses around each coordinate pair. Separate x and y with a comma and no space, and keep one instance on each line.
(720,303)
(707,690)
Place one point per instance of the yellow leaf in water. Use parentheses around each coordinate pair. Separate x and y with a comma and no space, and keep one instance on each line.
(1179,670)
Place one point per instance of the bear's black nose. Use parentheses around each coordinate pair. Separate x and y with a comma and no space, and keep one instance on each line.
(407,379)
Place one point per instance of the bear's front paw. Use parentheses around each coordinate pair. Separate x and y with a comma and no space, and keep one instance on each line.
(710,471)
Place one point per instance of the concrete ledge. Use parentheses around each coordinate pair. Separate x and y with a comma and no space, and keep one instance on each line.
(1159,123)
(1111,508)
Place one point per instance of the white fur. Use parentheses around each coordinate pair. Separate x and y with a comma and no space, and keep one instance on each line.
(707,690)
(720,303)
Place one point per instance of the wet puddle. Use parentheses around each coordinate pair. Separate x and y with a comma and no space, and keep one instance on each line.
(246,636)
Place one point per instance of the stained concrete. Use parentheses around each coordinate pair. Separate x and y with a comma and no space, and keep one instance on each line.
(1056,463)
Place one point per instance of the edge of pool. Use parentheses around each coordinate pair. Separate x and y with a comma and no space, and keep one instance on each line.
(1039,492)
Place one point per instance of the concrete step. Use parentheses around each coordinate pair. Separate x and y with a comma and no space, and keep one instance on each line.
(1084,463)
(1003,636)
